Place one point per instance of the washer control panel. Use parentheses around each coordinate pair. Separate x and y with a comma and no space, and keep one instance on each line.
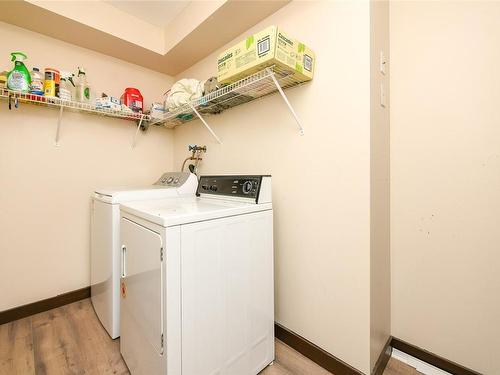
(173,179)
(231,186)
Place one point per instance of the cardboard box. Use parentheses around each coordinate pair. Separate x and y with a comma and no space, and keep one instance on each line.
(271,46)
(108,102)
(157,110)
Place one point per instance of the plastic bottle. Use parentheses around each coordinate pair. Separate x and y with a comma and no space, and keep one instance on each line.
(133,99)
(36,86)
(65,89)
(72,79)
(19,78)
(52,82)
(3,79)
(82,87)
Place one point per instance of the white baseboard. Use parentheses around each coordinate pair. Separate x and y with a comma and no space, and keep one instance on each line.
(420,366)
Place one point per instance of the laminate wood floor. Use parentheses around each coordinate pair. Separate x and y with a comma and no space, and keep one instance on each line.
(71,340)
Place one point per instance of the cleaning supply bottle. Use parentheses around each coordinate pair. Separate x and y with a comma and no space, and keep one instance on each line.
(36,86)
(19,78)
(52,82)
(71,79)
(3,79)
(65,87)
(82,87)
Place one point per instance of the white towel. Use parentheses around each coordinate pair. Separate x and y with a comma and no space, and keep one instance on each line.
(182,92)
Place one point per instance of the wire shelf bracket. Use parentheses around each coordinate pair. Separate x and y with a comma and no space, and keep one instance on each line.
(205,123)
(139,124)
(285,98)
(58,129)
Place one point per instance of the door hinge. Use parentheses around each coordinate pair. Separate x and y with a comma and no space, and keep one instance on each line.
(161,339)
(161,254)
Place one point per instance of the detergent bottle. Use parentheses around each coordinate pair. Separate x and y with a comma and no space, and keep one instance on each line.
(36,86)
(82,89)
(19,78)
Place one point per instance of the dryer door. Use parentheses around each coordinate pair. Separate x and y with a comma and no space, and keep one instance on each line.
(141,290)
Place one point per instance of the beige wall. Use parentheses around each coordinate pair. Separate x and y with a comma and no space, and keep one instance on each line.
(188,20)
(380,266)
(109,19)
(321,181)
(445,185)
(45,190)
(330,186)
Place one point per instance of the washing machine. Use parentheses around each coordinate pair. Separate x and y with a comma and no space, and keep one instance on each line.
(105,253)
(197,284)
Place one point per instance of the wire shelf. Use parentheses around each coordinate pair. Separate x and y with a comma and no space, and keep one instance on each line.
(253,87)
(70,105)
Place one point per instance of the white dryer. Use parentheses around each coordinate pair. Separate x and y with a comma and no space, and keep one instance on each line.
(105,232)
(197,289)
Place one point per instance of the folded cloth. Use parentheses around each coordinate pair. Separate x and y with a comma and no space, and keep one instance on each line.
(182,92)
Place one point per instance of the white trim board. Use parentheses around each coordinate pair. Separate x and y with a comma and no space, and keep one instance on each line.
(421,366)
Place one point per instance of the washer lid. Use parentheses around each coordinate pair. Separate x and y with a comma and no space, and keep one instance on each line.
(128,193)
(112,191)
(170,212)
(170,184)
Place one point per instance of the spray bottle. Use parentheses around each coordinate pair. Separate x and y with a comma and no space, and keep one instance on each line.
(66,86)
(19,78)
(82,87)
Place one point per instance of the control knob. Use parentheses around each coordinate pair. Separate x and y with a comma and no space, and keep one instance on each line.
(247,187)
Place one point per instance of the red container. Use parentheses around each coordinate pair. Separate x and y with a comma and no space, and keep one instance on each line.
(132,98)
